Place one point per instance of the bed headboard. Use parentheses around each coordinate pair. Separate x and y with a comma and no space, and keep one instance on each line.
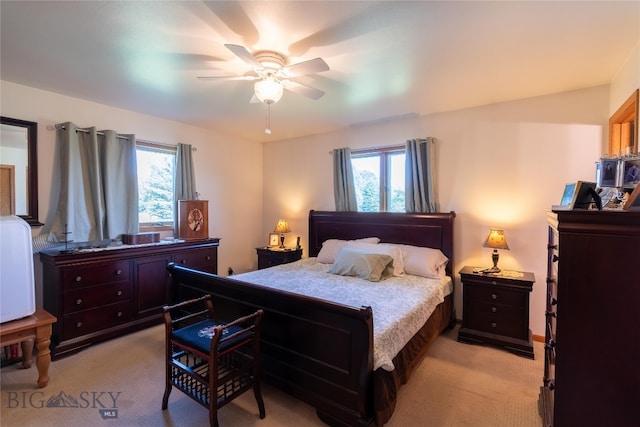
(434,230)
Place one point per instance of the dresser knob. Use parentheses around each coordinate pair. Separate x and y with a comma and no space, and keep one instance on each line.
(184,261)
(554,301)
(119,293)
(494,324)
(494,296)
(208,257)
(118,272)
(554,258)
(551,386)
(79,325)
(79,301)
(493,283)
(78,278)
(119,314)
(494,309)
(551,314)
(550,344)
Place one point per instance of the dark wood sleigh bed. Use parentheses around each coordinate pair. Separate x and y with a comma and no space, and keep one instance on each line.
(322,352)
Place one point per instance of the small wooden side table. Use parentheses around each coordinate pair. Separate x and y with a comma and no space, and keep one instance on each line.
(495,310)
(269,257)
(38,327)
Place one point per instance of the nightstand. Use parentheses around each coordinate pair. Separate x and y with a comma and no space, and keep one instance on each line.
(268,257)
(495,310)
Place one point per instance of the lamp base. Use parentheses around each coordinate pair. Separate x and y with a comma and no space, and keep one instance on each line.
(281,241)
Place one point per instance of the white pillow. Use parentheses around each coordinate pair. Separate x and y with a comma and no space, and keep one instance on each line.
(331,247)
(383,248)
(425,262)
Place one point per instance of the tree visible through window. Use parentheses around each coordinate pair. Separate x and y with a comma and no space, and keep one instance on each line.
(156,171)
(379,179)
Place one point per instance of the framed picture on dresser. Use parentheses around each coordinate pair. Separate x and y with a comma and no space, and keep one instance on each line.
(633,202)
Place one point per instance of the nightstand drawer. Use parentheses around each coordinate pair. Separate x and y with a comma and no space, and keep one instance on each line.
(480,293)
(498,319)
(268,257)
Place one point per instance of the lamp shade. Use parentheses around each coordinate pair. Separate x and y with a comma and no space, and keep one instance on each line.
(268,90)
(496,240)
(282,226)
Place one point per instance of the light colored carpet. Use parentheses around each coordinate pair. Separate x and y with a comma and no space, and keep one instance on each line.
(455,385)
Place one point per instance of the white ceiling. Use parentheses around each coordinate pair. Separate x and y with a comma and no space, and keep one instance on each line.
(387,59)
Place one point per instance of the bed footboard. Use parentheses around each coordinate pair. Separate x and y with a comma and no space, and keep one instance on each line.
(318,351)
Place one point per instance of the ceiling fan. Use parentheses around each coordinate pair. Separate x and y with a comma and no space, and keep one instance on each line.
(272,74)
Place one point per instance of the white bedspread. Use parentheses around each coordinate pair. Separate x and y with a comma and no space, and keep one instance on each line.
(401,305)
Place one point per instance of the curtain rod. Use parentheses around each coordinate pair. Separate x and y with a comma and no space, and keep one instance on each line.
(381,148)
(193,148)
(86,131)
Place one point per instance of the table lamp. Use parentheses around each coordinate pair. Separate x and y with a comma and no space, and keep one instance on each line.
(495,240)
(282,227)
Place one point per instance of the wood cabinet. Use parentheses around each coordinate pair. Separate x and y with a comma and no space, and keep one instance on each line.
(101,294)
(495,310)
(268,257)
(592,349)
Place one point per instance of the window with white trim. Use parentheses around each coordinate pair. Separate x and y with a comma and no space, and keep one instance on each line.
(156,172)
(379,179)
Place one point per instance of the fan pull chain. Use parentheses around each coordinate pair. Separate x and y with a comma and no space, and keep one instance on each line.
(267,130)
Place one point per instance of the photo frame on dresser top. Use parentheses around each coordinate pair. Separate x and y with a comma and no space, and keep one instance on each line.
(274,239)
(633,202)
(580,195)
(193,219)
(630,172)
(608,173)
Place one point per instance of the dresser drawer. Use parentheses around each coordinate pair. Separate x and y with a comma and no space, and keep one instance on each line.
(95,274)
(87,298)
(199,259)
(498,294)
(498,319)
(88,321)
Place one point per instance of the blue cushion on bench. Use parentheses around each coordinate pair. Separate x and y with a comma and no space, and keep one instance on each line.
(199,335)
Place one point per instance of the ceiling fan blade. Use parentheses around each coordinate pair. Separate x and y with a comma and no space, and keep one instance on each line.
(242,53)
(254,99)
(248,78)
(312,66)
(301,89)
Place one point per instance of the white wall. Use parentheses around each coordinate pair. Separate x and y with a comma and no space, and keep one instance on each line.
(500,165)
(228,170)
(626,80)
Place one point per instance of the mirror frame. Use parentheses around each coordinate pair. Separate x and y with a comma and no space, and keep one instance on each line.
(32,157)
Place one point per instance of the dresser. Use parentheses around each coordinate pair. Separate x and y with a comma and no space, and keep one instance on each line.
(101,294)
(592,350)
(268,257)
(495,310)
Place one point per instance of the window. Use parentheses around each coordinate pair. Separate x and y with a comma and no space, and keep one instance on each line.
(156,171)
(379,179)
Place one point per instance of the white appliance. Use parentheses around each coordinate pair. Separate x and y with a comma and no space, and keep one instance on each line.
(17,285)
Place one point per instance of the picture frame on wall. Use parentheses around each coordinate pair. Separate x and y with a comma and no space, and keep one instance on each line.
(193,219)
(274,239)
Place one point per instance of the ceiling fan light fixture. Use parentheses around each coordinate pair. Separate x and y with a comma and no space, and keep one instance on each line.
(269,90)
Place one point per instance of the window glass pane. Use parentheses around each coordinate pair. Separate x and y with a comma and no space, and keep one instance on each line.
(366,174)
(395,201)
(155,185)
